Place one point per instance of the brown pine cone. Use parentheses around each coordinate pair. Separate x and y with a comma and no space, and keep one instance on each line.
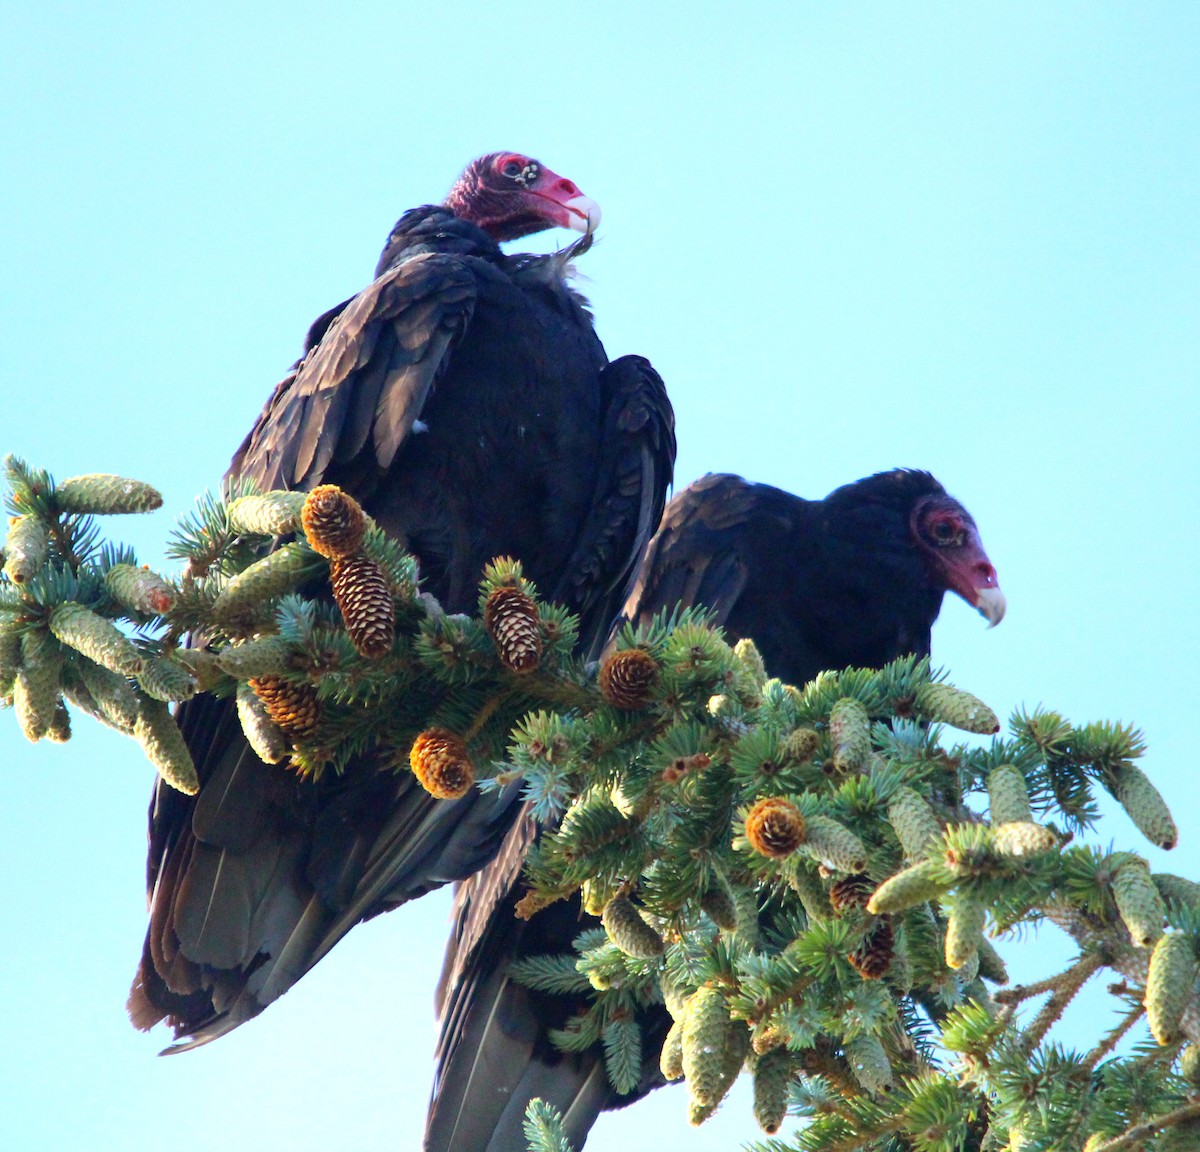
(291,704)
(852,891)
(627,678)
(873,957)
(440,761)
(333,522)
(775,827)
(511,619)
(361,591)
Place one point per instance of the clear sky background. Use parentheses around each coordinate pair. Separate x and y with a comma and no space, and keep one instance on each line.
(963,238)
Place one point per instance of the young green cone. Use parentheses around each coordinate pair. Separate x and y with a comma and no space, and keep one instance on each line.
(964,932)
(26,548)
(946,704)
(629,932)
(705,1034)
(101,493)
(670,1060)
(1138,901)
(869,1063)
(139,589)
(271,514)
(1024,838)
(263,734)
(80,628)
(833,845)
(35,690)
(164,679)
(1008,796)
(915,825)
(163,744)
(914,885)
(1177,890)
(112,694)
(850,734)
(1170,984)
(273,575)
(1145,806)
(266,656)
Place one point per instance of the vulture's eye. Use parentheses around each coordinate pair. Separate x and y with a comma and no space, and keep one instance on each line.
(512,168)
(946,532)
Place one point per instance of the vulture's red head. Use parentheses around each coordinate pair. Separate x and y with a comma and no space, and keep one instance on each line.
(947,537)
(510,195)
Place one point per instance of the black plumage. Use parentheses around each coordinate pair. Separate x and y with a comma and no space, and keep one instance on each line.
(855,579)
(464,398)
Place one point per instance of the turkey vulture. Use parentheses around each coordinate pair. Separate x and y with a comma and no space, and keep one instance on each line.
(854,579)
(464,398)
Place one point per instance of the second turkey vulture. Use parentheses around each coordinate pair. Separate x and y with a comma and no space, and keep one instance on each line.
(855,579)
(464,398)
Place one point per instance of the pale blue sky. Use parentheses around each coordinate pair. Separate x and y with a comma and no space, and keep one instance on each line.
(965,238)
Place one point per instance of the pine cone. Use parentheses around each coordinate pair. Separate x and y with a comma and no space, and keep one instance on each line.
(164,746)
(139,589)
(362,593)
(26,548)
(333,522)
(834,845)
(851,892)
(271,514)
(775,827)
(801,745)
(850,734)
(511,619)
(1008,795)
(629,932)
(627,678)
(292,704)
(1169,985)
(772,1075)
(949,705)
(1138,902)
(1145,806)
(873,957)
(101,493)
(440,761)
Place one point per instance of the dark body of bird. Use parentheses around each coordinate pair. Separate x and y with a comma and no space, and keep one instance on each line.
(856,579)
(464,398)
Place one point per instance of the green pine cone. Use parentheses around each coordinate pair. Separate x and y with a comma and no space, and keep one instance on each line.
(273,575)
(101,493)
(164,745)
(850,733)
(81,698)
(271,514)
(991,963)
(705,1035)
(964,932)
(10,658)
(946,704)
(1169,985)
(1145,806)
(82,629)
(26,548)
(266,656)
(1177,890)
(801,745)
(1138,902)
(35,690)
(117,701)
(745,912)
(165,679)
(629,932)
(139,589)
(915,824)
(869,1063)
(808,888)
(772,1075)
(1024,838)
(1009,798)
(262,733)
(900,976)
(751,671)
(670,1061)
(1189,1065)
(831,844)
(719,905)
(914,885)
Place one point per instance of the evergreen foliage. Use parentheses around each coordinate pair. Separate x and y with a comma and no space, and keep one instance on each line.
(808,877)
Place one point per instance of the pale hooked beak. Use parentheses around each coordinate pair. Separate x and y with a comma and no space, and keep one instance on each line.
(583,214)
(991,605)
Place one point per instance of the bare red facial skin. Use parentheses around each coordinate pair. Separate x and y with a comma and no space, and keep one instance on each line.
(509,194)
(946,535)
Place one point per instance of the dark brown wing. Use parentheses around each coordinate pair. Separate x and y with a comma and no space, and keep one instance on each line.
(354,398)
(636,465)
